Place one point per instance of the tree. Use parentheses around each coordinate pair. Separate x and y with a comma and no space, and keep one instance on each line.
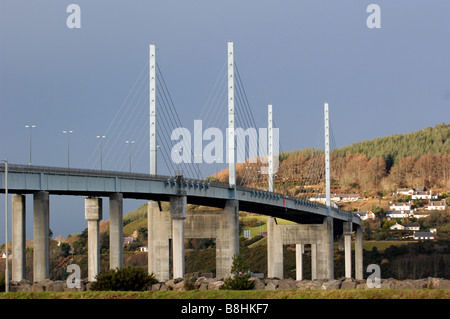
(240,275)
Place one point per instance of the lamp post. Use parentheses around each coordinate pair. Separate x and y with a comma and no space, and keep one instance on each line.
(30,127)
(130,142)
(6,227)
(101,137)
(68,147)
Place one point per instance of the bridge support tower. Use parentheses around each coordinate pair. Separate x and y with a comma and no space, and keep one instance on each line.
(321,239)
(163,226)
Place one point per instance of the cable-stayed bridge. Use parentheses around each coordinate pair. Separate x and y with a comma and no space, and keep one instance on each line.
(253,185)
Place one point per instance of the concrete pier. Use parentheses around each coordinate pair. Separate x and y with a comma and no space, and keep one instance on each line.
(274,250)
(93,215)
(116,231)
(325,259)
(221,225)
(178,213)
(348,249)
(320,236)
(313,261)
(18,237)
(299,250)
(41,236)
(159,229)
(227,240)
(358,252)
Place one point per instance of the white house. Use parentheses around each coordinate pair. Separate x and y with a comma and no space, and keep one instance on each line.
(437,205)
(423,235)
(419,215)
(405,191)
(400,206)
(128,240)
(364,216)
(412,227)
(397,226)
(400,213)
(424,195)
(336,198)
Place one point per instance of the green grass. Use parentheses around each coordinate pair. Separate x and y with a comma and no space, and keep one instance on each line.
(249,294)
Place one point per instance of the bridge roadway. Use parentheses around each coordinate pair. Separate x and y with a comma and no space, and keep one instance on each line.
(316,224)
(24,179)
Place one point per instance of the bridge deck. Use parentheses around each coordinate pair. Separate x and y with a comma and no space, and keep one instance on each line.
(79,182)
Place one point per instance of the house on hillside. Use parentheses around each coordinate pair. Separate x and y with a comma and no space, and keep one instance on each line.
(397,226)
(419,215)
(399,214)
(423,236)
(412,227)
(405,191)
(437,205)
(349,197)
(424,195)
(367,215)
(400,206)
(128,240)
(336,198)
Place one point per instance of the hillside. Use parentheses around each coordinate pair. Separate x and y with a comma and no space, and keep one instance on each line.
(431,140)
(380,165)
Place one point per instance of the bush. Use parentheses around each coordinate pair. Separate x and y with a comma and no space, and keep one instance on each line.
(124,279)
(240,275)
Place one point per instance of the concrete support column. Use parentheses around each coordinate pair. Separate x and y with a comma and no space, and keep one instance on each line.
(227,240)
(325,262)
(274,250)
(93,214)
(358,253)
(41,236)
(299,250)
(158,242)
(313,261)
(18,237)
(348,249)
(178,212)
(341,242)
(115,231)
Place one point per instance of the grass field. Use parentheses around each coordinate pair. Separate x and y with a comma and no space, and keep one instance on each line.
(249,294)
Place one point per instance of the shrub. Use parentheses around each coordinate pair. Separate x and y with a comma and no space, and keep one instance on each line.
(124,279)
(240,275)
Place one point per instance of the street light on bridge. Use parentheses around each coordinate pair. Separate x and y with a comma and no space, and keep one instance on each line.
(30,127)
(130,142)
(101,137)
(68,147)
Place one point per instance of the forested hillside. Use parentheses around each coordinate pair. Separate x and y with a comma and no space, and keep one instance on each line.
(420,158)
(382,164)
(432,140)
